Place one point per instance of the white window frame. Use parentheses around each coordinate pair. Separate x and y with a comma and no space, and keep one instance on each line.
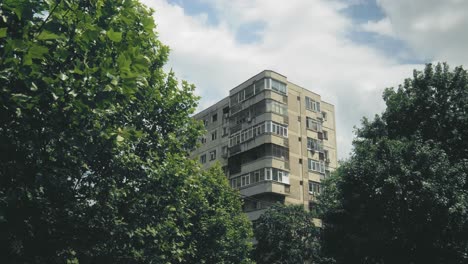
(315,188)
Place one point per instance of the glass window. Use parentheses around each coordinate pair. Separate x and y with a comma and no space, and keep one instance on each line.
(213,155)
(249,91)
(318,166)
(314,187)
(256,176)
(268,174)
(259,86)
(275,174)
(278,86)
(234,100)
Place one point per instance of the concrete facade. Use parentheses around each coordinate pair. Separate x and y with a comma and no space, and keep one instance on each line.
(275,140)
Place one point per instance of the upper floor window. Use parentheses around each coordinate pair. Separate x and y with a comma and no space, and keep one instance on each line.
(324,115)
(265,174)
(278,86)
(313,124)
(314,187)
(214,135)
(276,107)
(213,155)
(314,144)
(318,166)
(203,158)
(214,118)
(266,127)
(312,104)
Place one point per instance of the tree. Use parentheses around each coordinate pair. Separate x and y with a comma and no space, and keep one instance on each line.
(94,145)
(401,196)
(286,234)
(220,231)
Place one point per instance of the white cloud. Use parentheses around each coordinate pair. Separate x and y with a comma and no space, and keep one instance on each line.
(382,27)
(435,29)
(304,40)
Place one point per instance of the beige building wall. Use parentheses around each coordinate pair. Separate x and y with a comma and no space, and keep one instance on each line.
(270,102)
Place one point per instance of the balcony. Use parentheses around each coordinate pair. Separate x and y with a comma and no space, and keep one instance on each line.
(265,187)
(254,215)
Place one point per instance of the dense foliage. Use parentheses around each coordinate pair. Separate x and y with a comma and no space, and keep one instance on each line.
(94,138)
(402,196)
(286,234)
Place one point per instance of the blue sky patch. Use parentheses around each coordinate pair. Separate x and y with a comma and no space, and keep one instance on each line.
(197,7)
(250,33)
(364,11)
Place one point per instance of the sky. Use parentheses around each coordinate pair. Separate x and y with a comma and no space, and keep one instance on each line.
(348,51)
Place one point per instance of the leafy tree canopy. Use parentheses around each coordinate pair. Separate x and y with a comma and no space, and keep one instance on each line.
(286,234)
(402,195)
(94,143)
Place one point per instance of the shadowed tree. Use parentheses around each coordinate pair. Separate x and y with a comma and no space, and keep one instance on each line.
(402,195)
(286,234)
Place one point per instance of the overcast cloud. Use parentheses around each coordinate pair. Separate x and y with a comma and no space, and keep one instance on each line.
(315,44)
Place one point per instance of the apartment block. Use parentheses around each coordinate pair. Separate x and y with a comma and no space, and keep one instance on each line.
(275,140)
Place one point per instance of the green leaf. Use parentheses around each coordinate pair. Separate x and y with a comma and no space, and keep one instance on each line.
(38,51)
(114,36)
(45,35)
(3,32)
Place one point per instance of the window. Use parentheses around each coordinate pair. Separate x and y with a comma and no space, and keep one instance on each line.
(278,86)
(259,86)
(205,122)
(276,107)
(314,144)
(326,155)
(318,166)
(279,152)
(256,176)
(213,155)
(268,174)
(276,128)
(214,118)
(245,180)
(203,140)
(325,135)
(313,124)
(203,158)
(324,115)
(224,150)
(214,135)
(250,133)
(249,91)
(314,187)
(234,100)
(312,104)
(313,208)
(234,183)
(225,131)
